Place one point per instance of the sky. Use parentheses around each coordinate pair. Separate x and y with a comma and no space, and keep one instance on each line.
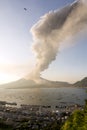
(16,56)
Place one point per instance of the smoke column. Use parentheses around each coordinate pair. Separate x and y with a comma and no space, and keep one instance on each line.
(52,29)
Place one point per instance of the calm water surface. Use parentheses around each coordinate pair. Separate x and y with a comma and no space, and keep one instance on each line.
(44,96)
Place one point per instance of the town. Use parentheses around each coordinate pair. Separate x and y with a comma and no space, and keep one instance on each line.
(35,117)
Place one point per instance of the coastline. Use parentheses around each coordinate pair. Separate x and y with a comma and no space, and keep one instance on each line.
(35,116)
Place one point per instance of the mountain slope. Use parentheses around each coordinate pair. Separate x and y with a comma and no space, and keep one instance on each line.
(82,83)
(19,84)
(24,83)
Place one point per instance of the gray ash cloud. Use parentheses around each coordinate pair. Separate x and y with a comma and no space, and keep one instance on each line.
(52,29)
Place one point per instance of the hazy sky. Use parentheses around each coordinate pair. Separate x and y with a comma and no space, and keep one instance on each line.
(16,57)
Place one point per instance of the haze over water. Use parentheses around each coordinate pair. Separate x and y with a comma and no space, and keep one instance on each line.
(44,96)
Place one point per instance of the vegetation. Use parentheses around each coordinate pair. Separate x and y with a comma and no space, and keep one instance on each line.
(77,121)
(4,126)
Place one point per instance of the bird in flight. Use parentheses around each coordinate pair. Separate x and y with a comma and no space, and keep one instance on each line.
(25,9)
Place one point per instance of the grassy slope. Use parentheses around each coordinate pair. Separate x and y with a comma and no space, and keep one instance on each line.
(77,121)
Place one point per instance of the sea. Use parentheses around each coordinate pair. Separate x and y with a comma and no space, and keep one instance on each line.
(44,96)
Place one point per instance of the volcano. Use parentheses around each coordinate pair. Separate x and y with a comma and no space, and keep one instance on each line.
(42,83)
(26,83)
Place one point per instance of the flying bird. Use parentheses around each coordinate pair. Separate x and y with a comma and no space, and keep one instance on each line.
(25,9)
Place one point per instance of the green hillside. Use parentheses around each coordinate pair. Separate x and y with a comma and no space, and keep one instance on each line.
(77,121)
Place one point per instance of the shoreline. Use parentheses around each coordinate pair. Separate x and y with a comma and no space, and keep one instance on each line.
(35,116)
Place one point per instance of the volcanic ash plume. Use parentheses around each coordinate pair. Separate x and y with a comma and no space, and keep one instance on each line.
(53,28)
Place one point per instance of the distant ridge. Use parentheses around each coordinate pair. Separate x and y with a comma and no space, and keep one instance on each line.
(25,83)
(43,83)
(81,83)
